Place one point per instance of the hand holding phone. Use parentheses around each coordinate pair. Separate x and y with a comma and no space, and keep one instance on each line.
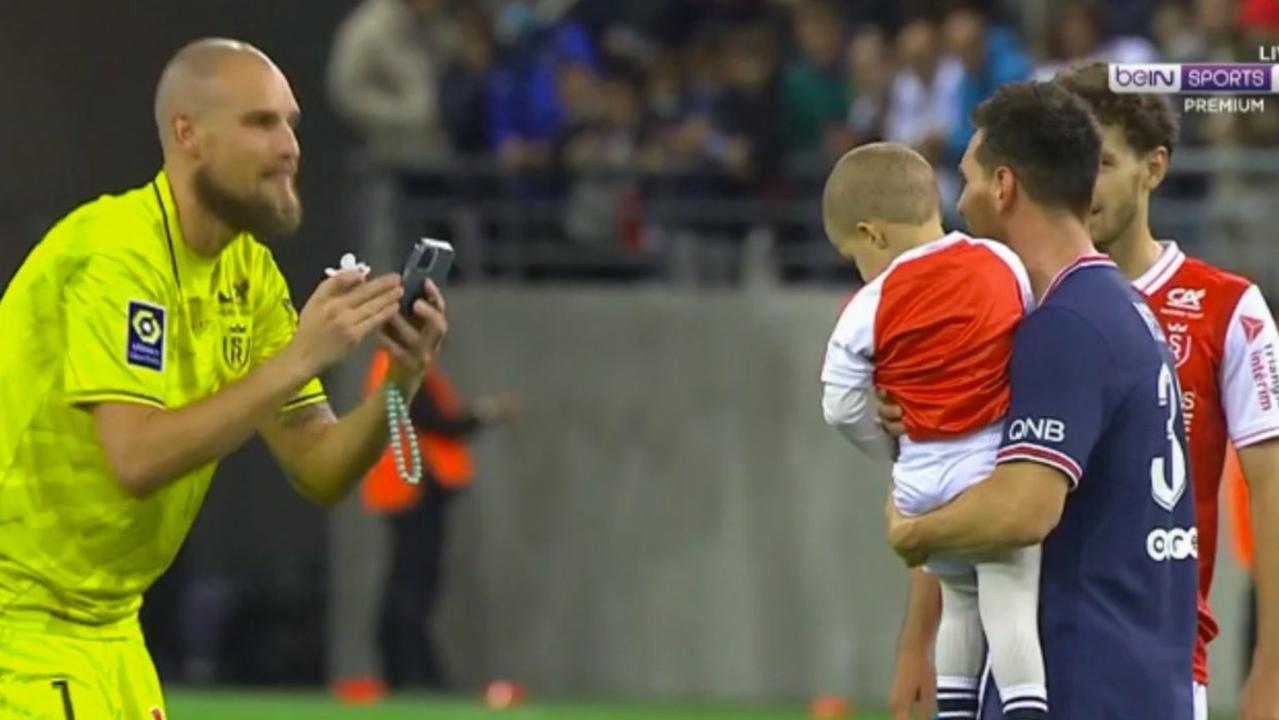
(430,259)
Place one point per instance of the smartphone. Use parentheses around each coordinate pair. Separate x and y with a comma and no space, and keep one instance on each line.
(429,258)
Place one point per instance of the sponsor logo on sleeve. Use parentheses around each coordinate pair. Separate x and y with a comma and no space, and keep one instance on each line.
(1252,327)
(145,346)
(1042,429)
(1265,375)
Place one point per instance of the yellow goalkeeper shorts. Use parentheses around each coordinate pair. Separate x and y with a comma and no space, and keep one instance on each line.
(46,676)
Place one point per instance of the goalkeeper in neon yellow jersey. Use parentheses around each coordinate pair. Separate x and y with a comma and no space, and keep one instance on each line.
(148,335)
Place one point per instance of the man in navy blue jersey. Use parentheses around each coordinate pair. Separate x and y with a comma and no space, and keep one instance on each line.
(1093,462)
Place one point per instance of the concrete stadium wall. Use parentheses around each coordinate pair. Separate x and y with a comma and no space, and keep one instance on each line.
(670,518)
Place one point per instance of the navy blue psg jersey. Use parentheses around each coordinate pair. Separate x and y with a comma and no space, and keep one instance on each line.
(1095,395)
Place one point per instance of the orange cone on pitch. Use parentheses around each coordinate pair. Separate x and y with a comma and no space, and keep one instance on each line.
(503,694)
(829,707)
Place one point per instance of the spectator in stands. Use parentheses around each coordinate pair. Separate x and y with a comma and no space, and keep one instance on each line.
(696,95)
(465,86)
(729,120)
(1178,36)
(665,101)
(1077,33)
(546,72)
(815,92)
(923,108)
(384,75)
(684,19)
(1218,18)
(990,56)
(745,137)
(597,154)
(1131,17)
(870,76)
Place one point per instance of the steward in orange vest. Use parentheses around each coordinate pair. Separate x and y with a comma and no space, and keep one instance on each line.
(417,516)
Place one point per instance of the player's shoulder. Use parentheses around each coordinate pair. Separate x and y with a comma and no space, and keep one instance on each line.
(1200,285)
(1061,321)
(121,226)
(1083,306)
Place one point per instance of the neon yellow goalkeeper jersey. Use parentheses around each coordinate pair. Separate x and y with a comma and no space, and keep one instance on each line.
(113,306)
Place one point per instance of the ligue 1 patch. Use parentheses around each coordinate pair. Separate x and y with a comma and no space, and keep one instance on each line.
(146,335)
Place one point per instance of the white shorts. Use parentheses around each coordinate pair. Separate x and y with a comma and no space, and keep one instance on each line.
(1201,702)
(930,474)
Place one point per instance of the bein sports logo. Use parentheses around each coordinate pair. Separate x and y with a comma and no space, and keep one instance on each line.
(1193,78)
(1172,544)
(1146,77)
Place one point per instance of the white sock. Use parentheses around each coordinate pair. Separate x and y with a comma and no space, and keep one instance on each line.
(1009,601)
(960,649)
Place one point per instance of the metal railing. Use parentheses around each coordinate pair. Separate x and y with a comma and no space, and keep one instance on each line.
(695,227)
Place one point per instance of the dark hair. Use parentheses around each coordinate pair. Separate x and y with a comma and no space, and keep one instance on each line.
(1049,139)
(1148,121)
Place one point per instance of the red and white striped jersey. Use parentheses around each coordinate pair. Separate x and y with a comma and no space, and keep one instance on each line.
(935,330)
(1224,341)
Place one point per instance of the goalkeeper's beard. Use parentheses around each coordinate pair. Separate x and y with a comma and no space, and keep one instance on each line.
(256,215)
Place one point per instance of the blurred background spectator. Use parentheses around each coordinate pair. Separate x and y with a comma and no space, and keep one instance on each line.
(990,56)
(923,109)
(1079,33)
(464,88)
(815,93)
(384,76)
(871,68)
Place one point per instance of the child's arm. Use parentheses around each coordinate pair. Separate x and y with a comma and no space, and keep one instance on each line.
(848,378)
(851,410)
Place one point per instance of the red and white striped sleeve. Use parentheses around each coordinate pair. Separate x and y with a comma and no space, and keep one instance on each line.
(1249,370)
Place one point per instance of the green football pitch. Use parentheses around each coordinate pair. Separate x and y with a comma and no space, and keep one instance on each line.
(246,705)
(241,705)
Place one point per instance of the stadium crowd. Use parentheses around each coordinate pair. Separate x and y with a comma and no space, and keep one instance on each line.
(599,107)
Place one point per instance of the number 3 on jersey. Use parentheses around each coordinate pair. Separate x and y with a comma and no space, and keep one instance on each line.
(1168,474)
